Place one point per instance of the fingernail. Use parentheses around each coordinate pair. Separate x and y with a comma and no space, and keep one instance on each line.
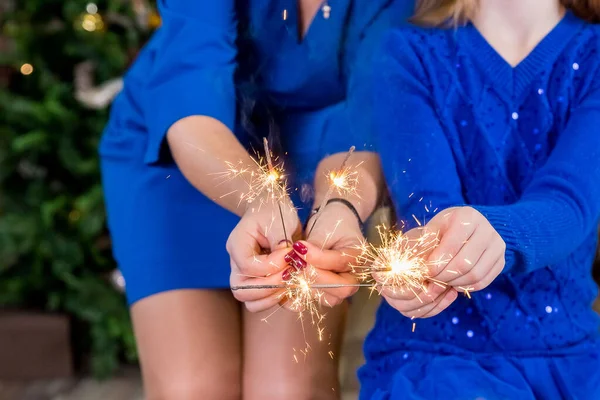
(295,260)
(300,248)
(288,257)
(287,274)
(300,263)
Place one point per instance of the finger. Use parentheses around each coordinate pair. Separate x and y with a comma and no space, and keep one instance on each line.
(249,294)
(408,309)
(265,303)
(449,297)
(480,270)
(451,242)
(243,243)
(488,276)
(330,260)
(341,293)
(332,301)
(261,265)
(468,256)
(426,309)
(413,299)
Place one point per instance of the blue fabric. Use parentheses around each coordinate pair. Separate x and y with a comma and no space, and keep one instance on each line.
(457,125)
(241,63)
(431,376)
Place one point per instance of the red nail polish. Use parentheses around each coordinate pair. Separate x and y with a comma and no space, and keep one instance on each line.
(300,248)
(288,257)
(296,266)
(299,261)
(287,274)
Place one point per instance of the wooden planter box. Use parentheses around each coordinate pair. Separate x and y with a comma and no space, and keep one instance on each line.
(34,346)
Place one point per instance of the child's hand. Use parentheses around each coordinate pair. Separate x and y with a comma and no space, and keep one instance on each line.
(470,253)
(424,302)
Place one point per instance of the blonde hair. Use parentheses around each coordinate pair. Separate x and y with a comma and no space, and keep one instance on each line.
(444,13)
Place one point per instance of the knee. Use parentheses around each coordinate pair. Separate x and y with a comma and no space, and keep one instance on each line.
(195,386)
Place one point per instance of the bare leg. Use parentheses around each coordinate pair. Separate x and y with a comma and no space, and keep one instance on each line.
(270,370)
(190,345)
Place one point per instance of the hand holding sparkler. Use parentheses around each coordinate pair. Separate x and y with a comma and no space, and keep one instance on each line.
(473,250)
(332,247)
(401,268)
(258,244)
(261,272)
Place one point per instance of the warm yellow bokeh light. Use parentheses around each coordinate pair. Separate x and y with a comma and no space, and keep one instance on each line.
(26,69)
(92,22)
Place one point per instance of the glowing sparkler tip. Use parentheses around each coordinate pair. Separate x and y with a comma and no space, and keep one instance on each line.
(399,262)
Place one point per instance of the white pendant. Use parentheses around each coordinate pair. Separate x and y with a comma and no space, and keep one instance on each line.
(326,9)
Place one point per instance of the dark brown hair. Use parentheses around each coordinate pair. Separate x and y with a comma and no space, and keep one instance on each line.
(457,12)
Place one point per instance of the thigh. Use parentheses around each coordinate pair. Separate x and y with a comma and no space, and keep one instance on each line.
(189,343)
(274,364)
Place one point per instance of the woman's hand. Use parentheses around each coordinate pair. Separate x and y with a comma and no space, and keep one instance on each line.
(257,247)
(470,254)
(330,248)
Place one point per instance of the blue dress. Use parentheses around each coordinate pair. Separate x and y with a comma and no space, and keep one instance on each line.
(457,125)
(245,66)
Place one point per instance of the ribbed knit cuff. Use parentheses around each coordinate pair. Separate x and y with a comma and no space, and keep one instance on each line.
(502,219)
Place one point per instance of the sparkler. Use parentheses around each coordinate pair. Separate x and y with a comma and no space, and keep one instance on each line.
(304,297)
(265,181)
(314,286)
(343,181)
(399,262)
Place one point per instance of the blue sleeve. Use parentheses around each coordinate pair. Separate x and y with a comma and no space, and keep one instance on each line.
(353,125)
(558,209)
(194,63)
(416,157)
(561,205)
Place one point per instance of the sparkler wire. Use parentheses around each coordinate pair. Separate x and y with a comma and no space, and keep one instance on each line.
(316,286)
(272,170)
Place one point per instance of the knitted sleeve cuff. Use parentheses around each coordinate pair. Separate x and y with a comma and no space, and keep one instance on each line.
(502,220)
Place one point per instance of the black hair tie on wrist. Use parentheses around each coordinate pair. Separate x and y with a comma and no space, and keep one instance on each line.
(349,205)
(344,202)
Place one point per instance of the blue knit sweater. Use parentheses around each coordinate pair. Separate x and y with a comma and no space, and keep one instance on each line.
(457,125)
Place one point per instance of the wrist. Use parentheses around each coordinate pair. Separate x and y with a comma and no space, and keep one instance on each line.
(341,207)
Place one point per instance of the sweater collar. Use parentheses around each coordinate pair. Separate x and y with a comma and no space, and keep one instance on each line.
(516,79)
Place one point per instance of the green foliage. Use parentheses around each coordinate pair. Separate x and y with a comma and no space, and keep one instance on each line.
(54,247)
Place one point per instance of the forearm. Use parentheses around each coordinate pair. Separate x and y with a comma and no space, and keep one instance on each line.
(369,181)
(539,232)
(201,147)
